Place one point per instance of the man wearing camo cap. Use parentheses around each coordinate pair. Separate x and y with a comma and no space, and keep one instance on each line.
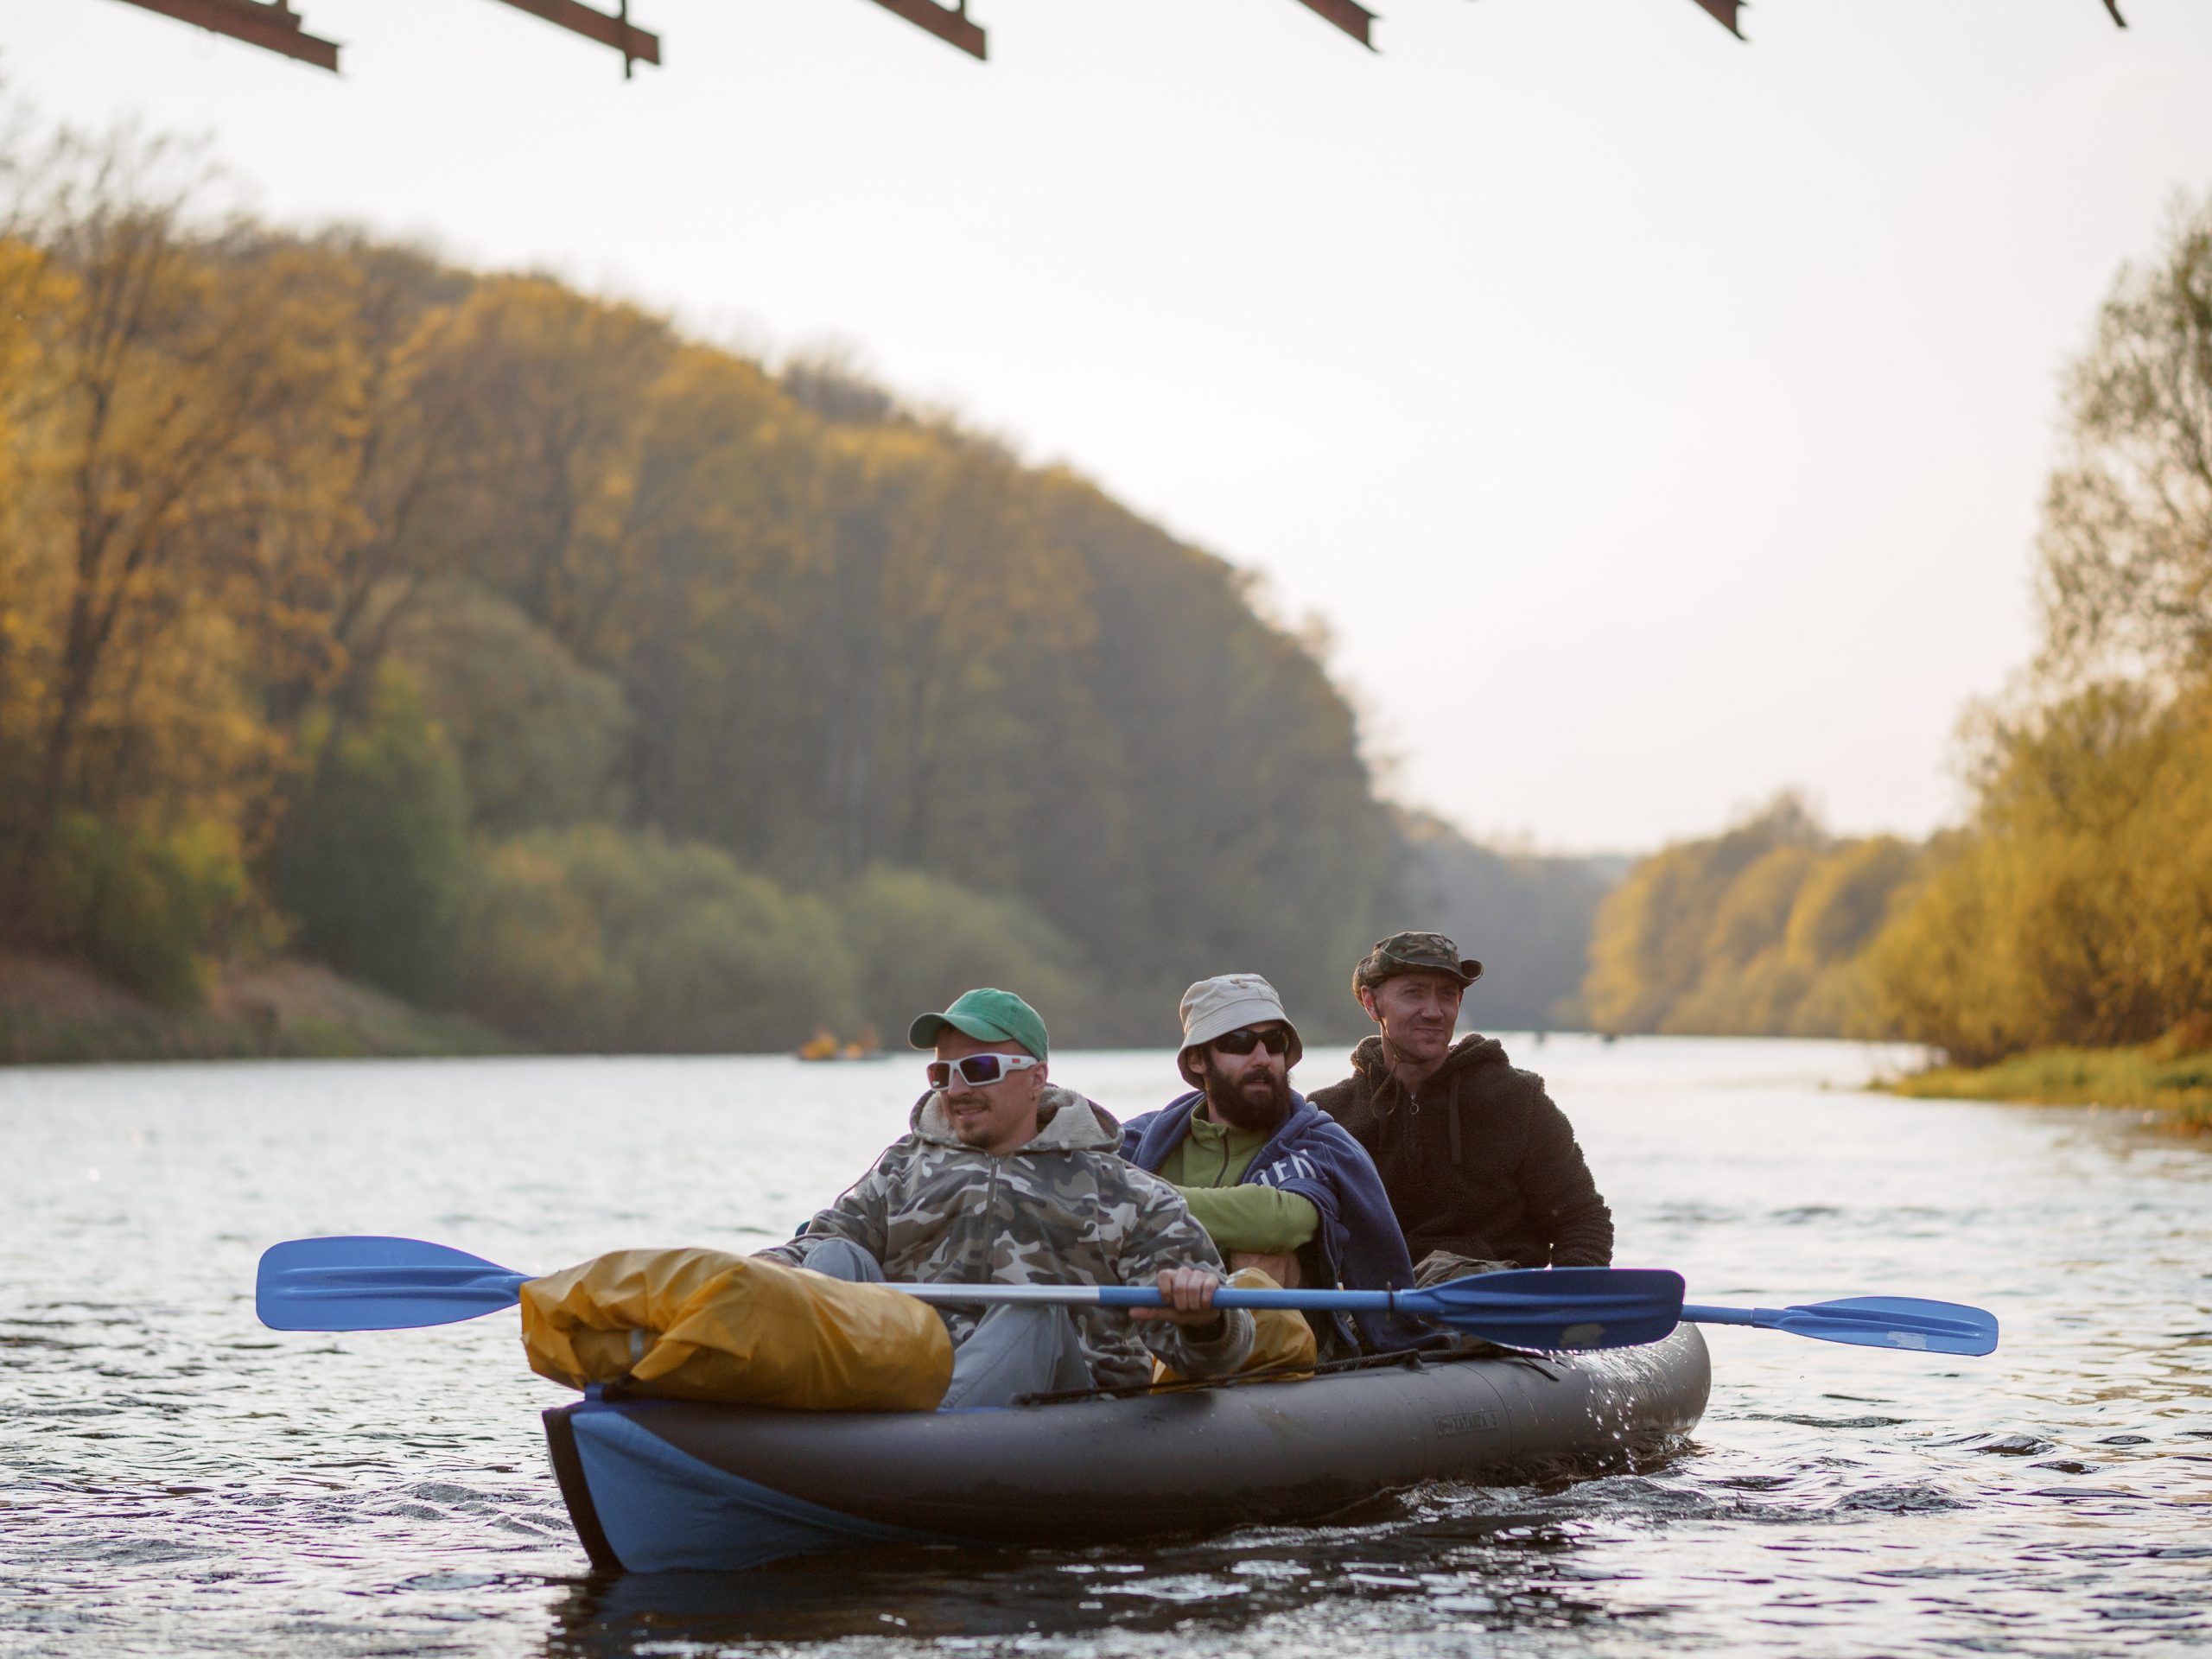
(1480,1165)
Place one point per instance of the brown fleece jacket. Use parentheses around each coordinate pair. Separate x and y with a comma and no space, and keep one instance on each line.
(1481,1163)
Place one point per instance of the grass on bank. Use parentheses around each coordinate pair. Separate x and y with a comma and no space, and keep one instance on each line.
(2172,1075)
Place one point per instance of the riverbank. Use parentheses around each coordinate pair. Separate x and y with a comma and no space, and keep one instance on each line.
(57,1012)
(2168,1077)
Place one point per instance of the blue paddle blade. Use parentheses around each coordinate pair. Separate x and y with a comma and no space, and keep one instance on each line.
(1556,1307)
(376,1284)
(1893,1322)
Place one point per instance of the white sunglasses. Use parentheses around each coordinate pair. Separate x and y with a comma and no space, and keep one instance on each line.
(979,1070)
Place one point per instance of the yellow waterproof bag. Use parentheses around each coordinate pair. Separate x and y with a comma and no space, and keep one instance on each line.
(699,1325)
(1281,1340)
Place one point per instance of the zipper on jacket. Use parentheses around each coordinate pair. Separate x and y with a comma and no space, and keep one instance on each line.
(990,1196)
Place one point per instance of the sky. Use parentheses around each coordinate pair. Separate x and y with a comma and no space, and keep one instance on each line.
(1656,420)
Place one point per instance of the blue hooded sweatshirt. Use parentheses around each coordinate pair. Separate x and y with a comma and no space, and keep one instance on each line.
(1312,1155)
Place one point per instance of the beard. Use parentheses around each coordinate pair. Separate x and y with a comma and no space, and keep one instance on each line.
(1260,1103)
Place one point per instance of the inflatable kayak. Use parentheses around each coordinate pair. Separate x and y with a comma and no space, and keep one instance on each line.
(661,1486)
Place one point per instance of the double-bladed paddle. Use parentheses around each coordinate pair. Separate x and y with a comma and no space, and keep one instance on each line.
(389,1284)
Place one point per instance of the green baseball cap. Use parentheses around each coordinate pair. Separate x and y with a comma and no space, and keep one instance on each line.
(987,1015)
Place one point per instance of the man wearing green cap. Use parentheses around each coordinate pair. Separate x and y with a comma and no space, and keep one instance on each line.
(1479,1164)
(1005,1178)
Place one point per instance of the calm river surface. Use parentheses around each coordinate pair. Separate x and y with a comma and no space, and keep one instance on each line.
(174,1478)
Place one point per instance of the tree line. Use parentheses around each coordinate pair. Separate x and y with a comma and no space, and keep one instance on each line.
(2073,907)
(507,648)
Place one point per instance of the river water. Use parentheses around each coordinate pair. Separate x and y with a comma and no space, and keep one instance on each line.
(175,1478)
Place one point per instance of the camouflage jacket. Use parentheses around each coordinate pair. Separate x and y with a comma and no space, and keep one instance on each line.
(1063,1210)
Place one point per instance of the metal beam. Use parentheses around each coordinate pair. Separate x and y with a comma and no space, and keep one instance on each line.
(634,44)
(949,26)
(1724,13)
(1350,18)
(274,26)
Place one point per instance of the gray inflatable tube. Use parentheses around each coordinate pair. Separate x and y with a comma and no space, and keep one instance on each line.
(657,1486)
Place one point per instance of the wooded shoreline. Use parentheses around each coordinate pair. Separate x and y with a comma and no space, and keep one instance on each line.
(53,1012)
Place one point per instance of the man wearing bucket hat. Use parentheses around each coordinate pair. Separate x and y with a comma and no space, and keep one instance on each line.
(1277,1183)
(1479,1164)
(1005,1178)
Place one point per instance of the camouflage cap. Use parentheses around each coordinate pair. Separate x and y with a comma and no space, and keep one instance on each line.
(1409,953)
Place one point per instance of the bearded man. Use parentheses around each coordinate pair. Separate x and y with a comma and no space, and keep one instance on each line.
(1275,1181)
(1482,1169)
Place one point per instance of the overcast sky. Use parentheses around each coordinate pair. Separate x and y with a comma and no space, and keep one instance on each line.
(1657,419)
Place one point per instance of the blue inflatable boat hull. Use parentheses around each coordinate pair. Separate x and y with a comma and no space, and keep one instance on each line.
(657,1486)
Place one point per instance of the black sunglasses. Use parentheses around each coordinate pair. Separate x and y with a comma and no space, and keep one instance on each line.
(1275,1041)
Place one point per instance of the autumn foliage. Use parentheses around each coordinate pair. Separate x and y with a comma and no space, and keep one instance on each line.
(1753,932)
(506,648)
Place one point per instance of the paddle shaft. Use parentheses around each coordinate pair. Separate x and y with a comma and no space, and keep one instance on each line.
(1765,1317)
(1142,1296)
(1571,1307)
(384,1284)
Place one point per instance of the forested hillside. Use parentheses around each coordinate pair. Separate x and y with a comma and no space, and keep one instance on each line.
(1753,932)
(2074,908)
(507,649)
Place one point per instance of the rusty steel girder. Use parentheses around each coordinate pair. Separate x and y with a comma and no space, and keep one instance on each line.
(271,24)
(274,25)
(1724,13)
(634,44)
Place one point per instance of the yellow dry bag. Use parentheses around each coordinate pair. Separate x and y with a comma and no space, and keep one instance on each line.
(1282,1342)
(699,1325)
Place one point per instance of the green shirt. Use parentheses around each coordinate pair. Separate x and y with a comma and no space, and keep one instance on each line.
(1205,1167)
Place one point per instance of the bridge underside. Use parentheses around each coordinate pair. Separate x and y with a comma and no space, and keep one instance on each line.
(273,25)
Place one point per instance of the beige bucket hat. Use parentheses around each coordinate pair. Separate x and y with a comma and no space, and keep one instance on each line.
(1214,1007)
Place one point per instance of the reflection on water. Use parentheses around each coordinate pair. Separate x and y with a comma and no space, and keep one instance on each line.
(173,1477)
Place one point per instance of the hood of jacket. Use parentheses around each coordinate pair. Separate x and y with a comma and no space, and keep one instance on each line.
(1312,1155)
(1066,1122)
(1063,1209)
(1147,1140)
(1468,1054)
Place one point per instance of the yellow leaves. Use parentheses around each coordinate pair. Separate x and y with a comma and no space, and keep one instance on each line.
(2078,909)
(1753,931)
(548,390)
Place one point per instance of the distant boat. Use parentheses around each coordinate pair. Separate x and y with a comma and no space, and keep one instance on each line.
(824,1045)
